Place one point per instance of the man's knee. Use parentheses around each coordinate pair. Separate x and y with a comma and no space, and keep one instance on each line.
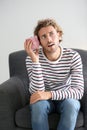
(38,111)
(39,107)
(72,106)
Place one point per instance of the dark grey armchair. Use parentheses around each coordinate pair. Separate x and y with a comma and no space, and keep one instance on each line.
(14,97)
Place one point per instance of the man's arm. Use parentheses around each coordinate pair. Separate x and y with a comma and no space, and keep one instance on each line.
(40,95)
(33,68)
(76,88)
(35,76)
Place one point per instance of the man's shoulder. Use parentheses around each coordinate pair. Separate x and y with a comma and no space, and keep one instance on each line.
(70,51)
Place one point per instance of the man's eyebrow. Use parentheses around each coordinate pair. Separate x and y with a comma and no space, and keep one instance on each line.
(48,32)
(44,35)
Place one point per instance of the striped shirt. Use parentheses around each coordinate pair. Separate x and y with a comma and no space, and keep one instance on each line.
(63,77)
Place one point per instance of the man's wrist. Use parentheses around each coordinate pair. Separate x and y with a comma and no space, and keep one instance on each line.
(49,95)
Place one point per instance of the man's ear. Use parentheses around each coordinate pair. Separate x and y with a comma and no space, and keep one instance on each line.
(60,36)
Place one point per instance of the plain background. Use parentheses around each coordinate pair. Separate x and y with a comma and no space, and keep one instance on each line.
(19,17)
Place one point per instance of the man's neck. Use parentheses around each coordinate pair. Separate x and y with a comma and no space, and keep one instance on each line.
(55,55)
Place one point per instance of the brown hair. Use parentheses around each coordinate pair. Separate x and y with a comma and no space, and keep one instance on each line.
(48,22)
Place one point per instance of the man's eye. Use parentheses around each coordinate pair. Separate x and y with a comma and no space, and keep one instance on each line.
(43,37)
(51,33)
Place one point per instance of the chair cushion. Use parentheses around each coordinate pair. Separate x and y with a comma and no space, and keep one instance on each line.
(23,118)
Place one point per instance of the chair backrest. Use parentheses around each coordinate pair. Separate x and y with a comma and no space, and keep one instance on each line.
(17,64)
(83,54)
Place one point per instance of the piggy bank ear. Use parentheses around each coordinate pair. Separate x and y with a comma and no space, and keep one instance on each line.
(37,39)
(60,38)
(36,43)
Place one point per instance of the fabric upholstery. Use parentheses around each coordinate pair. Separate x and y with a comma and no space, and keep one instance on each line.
(23,118)
(14,96)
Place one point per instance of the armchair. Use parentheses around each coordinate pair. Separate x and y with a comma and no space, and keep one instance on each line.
(14,97)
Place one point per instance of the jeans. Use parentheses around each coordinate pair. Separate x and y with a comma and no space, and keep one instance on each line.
(67,108)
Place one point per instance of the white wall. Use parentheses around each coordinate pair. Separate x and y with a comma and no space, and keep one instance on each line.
(19,17)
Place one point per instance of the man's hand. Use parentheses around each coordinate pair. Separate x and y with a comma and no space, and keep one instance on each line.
(40,95)
(33,54)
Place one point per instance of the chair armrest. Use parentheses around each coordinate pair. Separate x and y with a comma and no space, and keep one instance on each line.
(84,106)
(12,97)
(85,114)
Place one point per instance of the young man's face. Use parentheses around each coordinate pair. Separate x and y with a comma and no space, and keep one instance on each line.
(49,38)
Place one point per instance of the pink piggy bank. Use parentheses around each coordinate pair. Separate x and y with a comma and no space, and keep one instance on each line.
(35,41)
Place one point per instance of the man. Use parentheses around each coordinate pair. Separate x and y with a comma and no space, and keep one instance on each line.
(56,78)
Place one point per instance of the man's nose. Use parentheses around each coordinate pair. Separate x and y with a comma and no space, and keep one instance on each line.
(49,39)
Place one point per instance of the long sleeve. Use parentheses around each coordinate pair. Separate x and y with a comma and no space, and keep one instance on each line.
(35,76)
(76,88)
(63,78)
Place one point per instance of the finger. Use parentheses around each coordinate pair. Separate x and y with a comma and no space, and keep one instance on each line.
(30,45)
(37,51)
(27,45)
(33,100)
(37,96)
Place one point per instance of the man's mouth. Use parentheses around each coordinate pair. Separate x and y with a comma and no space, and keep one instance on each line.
(50,45)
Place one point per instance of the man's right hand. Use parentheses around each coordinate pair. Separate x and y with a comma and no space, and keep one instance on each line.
(28,48)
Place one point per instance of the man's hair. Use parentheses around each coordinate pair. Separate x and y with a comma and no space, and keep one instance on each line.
(48,22)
